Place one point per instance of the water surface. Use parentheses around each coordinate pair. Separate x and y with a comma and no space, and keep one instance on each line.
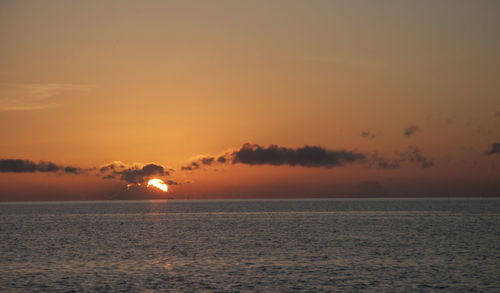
(264,245)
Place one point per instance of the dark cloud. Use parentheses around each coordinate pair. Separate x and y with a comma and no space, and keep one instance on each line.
(26,166)
(191,166)
(495,149)
(497,114)
(72,170)
(139,175)
(171,182)
(117,165)
(254,154)
(18,166)
(410,130)
(135,174)
(207,160)
(132,174)
(307,156)
(367,134)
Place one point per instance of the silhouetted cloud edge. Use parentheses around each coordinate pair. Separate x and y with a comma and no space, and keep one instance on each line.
(307,156)
(27,166)
(494,149)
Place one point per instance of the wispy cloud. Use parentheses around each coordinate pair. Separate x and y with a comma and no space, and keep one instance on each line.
(412,155)
(368,135)
(206,160)
(410,130)
(35,96)
(494,149)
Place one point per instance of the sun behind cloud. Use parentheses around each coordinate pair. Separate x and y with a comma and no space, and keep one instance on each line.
(158,183)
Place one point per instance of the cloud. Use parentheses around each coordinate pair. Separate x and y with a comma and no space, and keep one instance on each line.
(368,135)
(410,130)
(36,96)
(192,166)
(136,173)
(496,114)
(139,175)
(412,155)
(307,156)
(73,170)
(133,176)
(172,182)
(203,160)
(382,163)
(26,166)
(111,167)
(495,149)
(415,155)
(207,160)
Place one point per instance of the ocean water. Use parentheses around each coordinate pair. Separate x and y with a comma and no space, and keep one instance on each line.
(262,245)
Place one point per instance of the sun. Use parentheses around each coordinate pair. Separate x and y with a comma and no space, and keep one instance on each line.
(158,183)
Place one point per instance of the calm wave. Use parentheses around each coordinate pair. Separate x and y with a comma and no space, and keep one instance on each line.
(273,245)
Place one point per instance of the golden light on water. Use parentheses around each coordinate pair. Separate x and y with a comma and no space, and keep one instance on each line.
(158,183)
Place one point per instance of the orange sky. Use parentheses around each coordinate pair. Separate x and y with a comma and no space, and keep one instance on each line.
(87,83)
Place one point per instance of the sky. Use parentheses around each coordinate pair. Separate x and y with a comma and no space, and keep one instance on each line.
(249,99)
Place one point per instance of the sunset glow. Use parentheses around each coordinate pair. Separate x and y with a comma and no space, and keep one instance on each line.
(158,183)
(245,99)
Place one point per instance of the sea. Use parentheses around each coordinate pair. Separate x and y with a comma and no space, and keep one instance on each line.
(313,245)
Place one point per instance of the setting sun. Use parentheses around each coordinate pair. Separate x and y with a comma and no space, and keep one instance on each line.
(158,183)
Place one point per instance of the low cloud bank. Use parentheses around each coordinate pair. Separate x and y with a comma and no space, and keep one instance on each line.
(254,154)
(307,156)
(26,166)
(134,173)
(247,154)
